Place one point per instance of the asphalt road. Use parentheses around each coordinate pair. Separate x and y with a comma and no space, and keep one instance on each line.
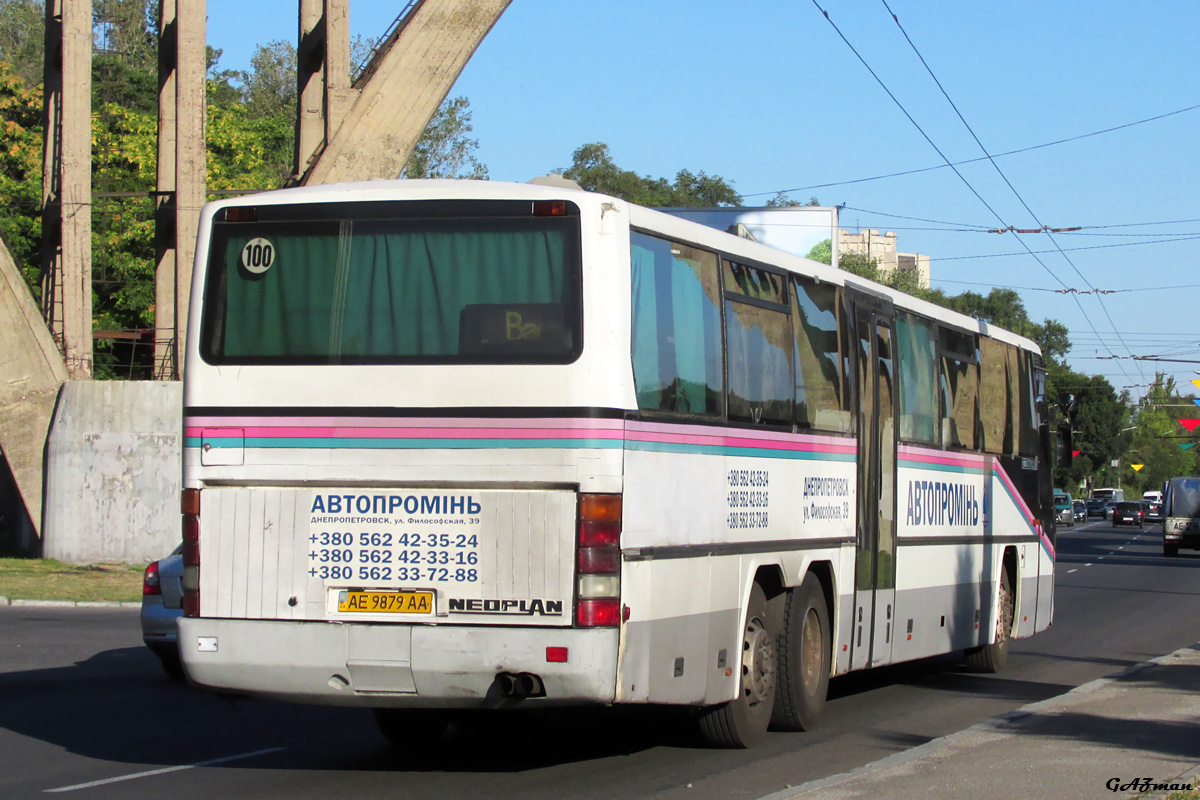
(86,712)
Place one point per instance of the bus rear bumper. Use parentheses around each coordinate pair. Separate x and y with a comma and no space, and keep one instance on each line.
(394,665)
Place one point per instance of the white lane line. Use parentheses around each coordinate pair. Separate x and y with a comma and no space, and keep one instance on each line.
(1071,570)
(164,770)
(1087,565)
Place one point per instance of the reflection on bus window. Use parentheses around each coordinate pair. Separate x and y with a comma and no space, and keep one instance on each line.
(823,357)
(676,327)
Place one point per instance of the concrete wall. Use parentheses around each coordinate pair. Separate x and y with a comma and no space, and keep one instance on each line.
(113,472)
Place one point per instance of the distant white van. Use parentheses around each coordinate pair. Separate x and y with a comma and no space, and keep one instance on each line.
(1152,496)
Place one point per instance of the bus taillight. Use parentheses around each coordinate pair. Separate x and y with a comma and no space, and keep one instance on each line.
(598,561)
(190,506)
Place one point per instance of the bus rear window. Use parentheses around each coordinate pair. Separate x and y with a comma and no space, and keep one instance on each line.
(401,283)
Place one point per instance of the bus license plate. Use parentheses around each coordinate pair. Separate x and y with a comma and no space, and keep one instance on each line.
(385,602)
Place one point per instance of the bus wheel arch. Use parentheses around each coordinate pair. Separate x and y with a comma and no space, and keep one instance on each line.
(993,657)
(743,721)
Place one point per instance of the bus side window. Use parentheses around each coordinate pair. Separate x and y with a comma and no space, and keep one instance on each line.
(959,360)
(758,345)
(994,395)
(677,362)
(822,357)
(1027,439)
(916,344)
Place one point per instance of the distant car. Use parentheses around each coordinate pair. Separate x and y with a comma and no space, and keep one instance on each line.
(1080,510)
(162,604)
(1064,513)
(1096,507)
(1128,512)
(1154,510)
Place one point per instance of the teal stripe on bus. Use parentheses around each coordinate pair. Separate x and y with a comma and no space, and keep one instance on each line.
(925,465)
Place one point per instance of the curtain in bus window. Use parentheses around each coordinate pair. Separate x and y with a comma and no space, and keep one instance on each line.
(372,289)
(276,313)
(676,327)
(823,357)
(917,348)
(993,393)
(759,351)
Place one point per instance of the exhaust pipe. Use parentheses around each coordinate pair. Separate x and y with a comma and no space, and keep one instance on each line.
(531,685)
(508,684)
(519,686)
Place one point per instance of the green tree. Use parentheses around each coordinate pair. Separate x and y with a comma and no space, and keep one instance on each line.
(269,87)
(444,149)
(21,173)
(823,252)
(1159,434)
(593,168)
(22,38)
(1102,428)
(125,59)
(1005,309)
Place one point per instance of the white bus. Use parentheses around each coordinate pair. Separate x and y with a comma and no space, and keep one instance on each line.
(1109,495)
(458,445)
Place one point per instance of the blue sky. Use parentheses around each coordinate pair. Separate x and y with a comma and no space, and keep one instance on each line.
(767,95)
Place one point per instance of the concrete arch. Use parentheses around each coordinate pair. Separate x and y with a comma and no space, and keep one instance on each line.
(403,88)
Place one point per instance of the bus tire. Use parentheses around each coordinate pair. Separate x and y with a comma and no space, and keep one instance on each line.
(804,658)
(1170,550)
(993,657)
(743,721)
(414,729)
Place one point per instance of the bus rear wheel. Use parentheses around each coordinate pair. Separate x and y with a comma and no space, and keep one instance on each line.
(993,657)
(1170,550)
(742,722)
(804,659)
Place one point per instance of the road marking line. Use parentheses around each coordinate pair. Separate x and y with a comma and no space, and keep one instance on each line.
(1070,571)
(164,770)
(1087,565)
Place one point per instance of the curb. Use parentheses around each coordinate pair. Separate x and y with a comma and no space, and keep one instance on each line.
(997,724)
(18,603)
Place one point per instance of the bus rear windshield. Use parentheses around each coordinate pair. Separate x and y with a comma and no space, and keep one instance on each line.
(397,283)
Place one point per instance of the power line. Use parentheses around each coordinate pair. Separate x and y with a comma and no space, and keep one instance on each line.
(1067,291)
(1007,182)
(921,130)
(981,228)
(1059,250)
(976,160)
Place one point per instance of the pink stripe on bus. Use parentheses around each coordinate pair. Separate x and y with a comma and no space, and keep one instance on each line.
(401,422)
(410,433)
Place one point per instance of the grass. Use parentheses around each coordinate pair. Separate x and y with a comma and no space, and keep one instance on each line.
(47,579)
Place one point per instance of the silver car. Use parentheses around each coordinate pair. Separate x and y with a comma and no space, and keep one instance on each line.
(162,604)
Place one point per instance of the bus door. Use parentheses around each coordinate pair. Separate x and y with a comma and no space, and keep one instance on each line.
(875,560)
